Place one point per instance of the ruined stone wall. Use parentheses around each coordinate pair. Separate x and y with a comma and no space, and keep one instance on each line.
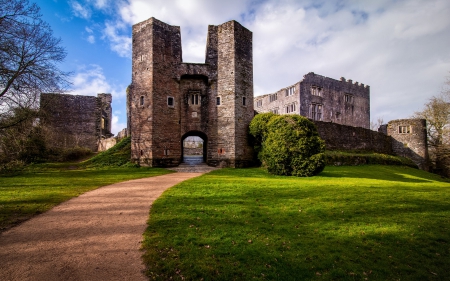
(342,137)
(106,112)
(75,120)
(409,140)
(342,102)
(161,109)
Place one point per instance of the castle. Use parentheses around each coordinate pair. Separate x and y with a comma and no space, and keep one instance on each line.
(322,99)
(169,100)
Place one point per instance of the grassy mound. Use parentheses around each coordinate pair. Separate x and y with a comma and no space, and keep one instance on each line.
(340,158)
(117,156)
(366,222)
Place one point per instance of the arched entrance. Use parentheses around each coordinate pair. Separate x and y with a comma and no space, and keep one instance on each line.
(194,147)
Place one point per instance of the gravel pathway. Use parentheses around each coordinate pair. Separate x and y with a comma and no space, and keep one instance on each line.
(96,236)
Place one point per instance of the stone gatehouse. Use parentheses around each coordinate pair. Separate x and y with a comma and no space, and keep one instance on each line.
(170,100)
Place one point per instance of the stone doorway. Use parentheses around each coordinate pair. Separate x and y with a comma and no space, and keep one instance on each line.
(194,148)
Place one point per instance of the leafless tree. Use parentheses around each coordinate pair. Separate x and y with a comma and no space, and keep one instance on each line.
(437,113)
(375,125)
(29,58)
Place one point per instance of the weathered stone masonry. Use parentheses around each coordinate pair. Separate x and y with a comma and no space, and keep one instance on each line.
(170,100)
(76,120)
(323,99)
(409,139)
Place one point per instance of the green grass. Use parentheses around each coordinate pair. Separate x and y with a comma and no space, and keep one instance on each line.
(116,156)
(353,158)
(43,186)
(349,223)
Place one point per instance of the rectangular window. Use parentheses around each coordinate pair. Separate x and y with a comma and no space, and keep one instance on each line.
(218,101)
(290,91)
(315,112)
(141,102)
(170,101)
(244,101)
(259,103)
(290,108)
(404,129)
(316,91)
(275,111)
(273,97)
(195,97)
(348,98)
(166,152)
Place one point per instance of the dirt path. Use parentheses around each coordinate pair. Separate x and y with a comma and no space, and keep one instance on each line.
(95,236)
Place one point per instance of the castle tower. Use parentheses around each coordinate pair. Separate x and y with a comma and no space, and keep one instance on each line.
(409,139)
(170,100)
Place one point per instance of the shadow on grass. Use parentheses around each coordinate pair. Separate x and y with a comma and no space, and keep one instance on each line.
(245,224)
(389,173)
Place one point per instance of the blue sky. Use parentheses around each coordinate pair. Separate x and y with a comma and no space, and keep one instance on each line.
(399,48)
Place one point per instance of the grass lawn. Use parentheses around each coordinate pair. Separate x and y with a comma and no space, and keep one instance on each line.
(44,186)
(348,223)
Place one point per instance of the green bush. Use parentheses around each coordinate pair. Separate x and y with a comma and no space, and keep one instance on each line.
(290,145)
(346,158)
(12,168)
(76,153)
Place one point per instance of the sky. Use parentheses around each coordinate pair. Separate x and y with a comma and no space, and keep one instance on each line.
(400,48)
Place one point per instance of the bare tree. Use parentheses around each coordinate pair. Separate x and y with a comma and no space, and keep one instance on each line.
(437,114)
(375,125)
(29,58)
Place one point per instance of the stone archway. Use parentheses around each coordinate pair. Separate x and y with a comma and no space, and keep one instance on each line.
(194,147)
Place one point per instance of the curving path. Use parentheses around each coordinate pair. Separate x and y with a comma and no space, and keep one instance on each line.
(95,236)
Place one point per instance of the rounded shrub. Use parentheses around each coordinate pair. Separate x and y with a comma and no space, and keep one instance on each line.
(292,146)
(258,126)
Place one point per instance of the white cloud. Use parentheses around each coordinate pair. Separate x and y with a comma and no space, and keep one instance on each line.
(121,44)
(91,37)
(117,126)
(90,80)
(80,10)
(399,48)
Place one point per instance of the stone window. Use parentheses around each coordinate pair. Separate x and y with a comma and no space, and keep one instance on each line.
(273,97)
(315,111)
(141,101)
(259,103)
(316,91)
(221,151)
(404,129)
(244,101)
(290,108)
(348,98)
(275,111)
(290,91)
(195,98)
(170,102)
(166,151)
(218,102)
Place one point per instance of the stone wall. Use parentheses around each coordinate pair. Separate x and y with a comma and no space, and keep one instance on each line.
(73,120)
(341,101)
(409,140)
(170,100)
(105,144)
(342,137)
